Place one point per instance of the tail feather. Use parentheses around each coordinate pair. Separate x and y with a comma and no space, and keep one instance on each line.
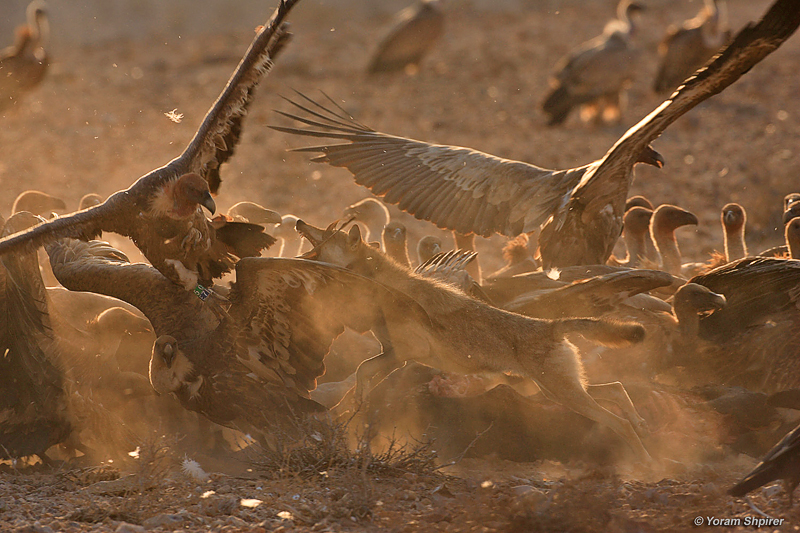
(605,332)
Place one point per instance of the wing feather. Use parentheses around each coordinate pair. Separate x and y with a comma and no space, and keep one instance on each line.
(435,182)
(216,138)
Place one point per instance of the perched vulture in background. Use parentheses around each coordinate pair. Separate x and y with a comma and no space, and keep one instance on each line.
(161,212)
(472,192)
(256,367)
(38,203)
(414,32)
(686,48)
(597,73)
(24,63)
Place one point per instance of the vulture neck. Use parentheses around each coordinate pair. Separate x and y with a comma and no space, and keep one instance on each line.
(735,247)
(397,249)
(667,248)
(635,242)
(713,24)
(792,236)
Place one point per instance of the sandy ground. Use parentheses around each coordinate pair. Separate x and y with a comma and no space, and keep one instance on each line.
(97,123)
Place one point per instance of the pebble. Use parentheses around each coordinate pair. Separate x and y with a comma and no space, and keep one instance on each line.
(166,521)
(125,527)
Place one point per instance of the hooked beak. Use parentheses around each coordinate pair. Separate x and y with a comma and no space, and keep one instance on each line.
(208,203)
(651,157)
(168,354)
(792,212)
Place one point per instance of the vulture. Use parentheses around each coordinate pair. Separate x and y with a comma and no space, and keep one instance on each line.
(395,243)
(748,336)
(427,247)
(24,63)
(665,220)
(253,213)
(597,73)
(468,191)
(414,32)
(518,259)
(686,48)
(451,268)
(734,220)
(781,462)
(255,368)
(636,235)
(372,214)
(161,212)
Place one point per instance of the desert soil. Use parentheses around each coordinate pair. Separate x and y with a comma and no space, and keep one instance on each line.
(98,122)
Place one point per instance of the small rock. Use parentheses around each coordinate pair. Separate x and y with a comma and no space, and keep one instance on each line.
(125,527)
(167,521)
(771,491)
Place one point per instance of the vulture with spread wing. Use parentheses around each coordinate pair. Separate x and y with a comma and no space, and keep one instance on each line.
(257,366)
(161,212)
(472,192)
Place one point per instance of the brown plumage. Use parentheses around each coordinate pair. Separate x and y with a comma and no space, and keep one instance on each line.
(518,258)
(597,73)
(733,220)
(258,365)
(451,268)
(686,48)
(753,340)
(472,192)
(592,297)
(161,211)
(24,64)
(414,32)
(781,462)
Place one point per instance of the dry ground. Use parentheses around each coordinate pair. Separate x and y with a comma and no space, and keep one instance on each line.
(97,123)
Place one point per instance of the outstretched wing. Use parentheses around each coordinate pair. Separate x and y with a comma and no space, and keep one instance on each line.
(292,310)
(752,44)
(218,135)
(97,267)
(455,188)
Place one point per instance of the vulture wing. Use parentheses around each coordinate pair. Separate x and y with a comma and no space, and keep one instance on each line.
(291,310)
(752,44)
(781,462)
(756,288)
(592,297)
(212,145)
(97,267)
(218,135)
(455,188)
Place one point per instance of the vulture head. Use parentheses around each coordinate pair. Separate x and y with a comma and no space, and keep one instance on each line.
(119,321)
(427,247)
(637,220)
(371,212)
(733,217)
(667,218)
(693,301)
(38,203)
(169,367)
(89,200)
(188,192)
(792,236)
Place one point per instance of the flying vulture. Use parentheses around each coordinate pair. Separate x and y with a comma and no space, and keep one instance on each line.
(161,212)
(24,63)
(597,73)
(686,48)
(472,192)
(256,367)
